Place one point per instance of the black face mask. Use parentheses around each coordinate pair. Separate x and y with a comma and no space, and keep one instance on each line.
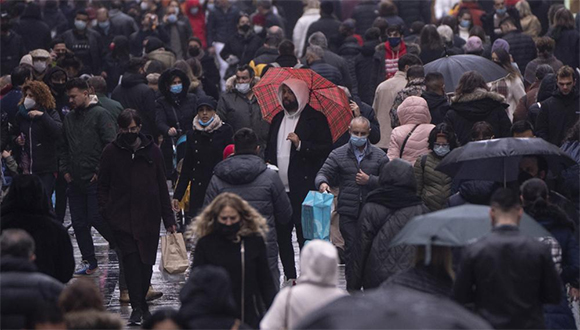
(59,88)
(523,177)
(245,28)
(129,138)
(227,231)
(194,51)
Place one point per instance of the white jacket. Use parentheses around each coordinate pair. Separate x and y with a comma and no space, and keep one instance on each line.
(317,287)
(301,28)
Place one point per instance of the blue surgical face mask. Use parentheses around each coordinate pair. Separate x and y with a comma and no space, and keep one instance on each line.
(104,25)
(358,141)
(394,41)
(501,12)
(465,23)
(172,18)
(80,25)
(210,6)
(176,89)
(441,150)
(207,123)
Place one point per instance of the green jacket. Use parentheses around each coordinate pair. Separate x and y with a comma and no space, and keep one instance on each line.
(433,187)
(115,108)
(86,133)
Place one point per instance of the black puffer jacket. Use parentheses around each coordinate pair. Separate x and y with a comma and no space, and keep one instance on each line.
(480,105)
(522,48)
(24,291)
(567,46)
(363,70)
(474,192)
(387,210)
(414,10)
(364,14)
(249,177)
(557,115)
(133,93)
(207,301)
(340,170)
(424,279)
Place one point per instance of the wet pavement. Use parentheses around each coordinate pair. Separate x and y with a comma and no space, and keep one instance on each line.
(107,278)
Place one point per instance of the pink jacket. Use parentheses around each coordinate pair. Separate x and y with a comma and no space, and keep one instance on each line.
(412,111)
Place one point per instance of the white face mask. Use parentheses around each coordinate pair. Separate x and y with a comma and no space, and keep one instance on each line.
(258,29)
(243,88)
(29,103)
(39,66)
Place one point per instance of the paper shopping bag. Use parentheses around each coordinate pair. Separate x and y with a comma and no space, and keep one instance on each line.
(316,210)
(173,254)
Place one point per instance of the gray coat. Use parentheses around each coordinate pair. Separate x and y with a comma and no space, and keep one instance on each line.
(340,169)
(249,177)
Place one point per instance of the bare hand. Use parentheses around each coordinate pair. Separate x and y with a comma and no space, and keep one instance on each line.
(94,178)
(171,229)
(355,108)
(294,138)
(362,178)
(6,153)
(175,205)
(172,131)
(211,51)
(34,113)
(20,140)
(324,187)
(67,178)
(574,294)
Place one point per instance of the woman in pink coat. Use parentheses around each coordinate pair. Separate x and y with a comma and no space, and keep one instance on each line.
(409,141)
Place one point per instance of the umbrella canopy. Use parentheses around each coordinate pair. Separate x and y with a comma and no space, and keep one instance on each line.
(325,97)
(457,226)
(453,67)
(498,159)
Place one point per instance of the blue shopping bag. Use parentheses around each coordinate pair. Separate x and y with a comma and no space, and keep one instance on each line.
(316,210)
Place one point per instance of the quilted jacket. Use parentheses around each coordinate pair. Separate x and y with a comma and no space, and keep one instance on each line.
(433,187)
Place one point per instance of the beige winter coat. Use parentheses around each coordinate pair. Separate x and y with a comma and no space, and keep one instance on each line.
(384,98)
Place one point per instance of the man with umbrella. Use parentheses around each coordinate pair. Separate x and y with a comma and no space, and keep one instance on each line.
(299,141)
(508,275)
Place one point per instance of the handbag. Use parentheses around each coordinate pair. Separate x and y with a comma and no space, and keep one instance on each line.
(173,254)
(316,211)
(407,139)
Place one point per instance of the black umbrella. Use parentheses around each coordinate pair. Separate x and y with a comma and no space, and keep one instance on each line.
(457,226)
(453,67)
(498,159)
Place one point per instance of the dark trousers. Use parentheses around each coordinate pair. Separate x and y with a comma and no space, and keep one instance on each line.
(61,197)
(84,211)
(285,237)
(48,180)
(138,279)
(348,228)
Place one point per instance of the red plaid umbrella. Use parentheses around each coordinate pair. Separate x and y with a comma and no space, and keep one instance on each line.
(325,97)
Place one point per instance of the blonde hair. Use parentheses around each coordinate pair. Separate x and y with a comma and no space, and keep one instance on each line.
(252,221)
(523,8)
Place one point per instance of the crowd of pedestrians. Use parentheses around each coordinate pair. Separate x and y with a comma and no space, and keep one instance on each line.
(137,114)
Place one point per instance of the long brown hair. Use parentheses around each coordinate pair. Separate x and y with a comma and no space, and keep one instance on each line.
(441,258)
(252,221)
(41,94)
(469,82)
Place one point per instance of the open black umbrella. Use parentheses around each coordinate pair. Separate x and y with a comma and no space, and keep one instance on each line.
(457,226)
(453,67)
(498,159)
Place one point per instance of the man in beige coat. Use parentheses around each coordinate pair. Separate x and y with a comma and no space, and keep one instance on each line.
(385,97)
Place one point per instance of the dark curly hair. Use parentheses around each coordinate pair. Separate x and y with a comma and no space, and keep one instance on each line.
(445,129)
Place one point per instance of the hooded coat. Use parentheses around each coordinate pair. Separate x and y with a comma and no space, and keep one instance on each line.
(207,301)
(557,115)
(24,292)
(34,31)
(249,177)
(438,106)
(340,170)
(481,105)
(134,93)
(27,207)
(133,195)
(433,186)
(386,211)
(59,94)
(316,287)
(414,114)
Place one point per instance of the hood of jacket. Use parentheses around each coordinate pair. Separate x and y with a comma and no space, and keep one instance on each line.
(479,104)
(414,110)
(26,195)
(208,291)
(398,173)
(548,87)
(165,83)
(434,100)
(133,79)
(300,90)
(319,264)
(50,72)
(368,47)
(240,169)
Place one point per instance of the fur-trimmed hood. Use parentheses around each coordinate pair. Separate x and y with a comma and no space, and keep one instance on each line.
(478,94)
(231,83)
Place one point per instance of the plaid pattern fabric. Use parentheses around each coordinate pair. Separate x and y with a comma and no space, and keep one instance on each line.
(555,250)
(325,97)
(500,87)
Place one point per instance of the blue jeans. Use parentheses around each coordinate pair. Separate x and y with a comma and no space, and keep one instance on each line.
(84,211)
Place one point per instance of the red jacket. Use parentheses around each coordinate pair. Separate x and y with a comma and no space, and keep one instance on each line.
(392,58)
(196,15)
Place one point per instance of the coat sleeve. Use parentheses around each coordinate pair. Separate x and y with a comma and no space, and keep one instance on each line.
(210,27)
(64,156)
(321,143)
(521,111)
(505,125)
(282,206)
(543,122)
(107,128)
(148,111)
(104,182)
(66,261)
(199,258)
(211,192)
(328,172)
(186,170)
(375,134)
(51,121)
(222,109)
(264,275)
(226,51)
(570,259)
(464,281)
(361,249)
(550,287)
(166,210)
(374,179)
(161,119)
(419,171)
(394,148)
(393,112)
